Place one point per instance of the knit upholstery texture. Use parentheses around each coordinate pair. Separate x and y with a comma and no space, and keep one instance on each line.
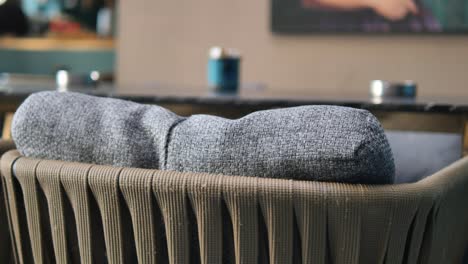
(324,143)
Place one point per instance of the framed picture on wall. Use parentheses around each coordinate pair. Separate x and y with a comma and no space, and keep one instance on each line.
(369,16)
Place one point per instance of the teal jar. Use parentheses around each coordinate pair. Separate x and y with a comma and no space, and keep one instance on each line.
(223,70)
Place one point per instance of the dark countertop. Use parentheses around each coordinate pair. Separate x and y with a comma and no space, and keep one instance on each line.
(270,101)
(255,98)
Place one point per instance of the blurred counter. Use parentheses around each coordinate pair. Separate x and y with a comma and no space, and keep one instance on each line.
(55,43)
(440,115)
(45,55)
(246,99)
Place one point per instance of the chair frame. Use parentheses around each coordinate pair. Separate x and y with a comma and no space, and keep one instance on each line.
(68,212)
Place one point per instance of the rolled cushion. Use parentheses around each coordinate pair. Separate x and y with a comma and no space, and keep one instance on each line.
(324,143)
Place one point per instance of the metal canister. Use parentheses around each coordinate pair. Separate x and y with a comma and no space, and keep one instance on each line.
(223,70)
(385,89)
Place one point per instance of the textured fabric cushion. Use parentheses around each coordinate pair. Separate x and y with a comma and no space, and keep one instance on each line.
(326,143)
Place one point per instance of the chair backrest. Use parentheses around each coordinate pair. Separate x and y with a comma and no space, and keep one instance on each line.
(80,213)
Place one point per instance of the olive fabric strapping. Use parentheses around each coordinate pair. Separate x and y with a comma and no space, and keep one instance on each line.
(422,222)
(323,143)
(7,254)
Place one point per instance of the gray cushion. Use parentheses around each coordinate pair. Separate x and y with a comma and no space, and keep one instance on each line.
(420,154)
(326,143)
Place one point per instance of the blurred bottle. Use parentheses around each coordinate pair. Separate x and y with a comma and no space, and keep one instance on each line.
(223,70)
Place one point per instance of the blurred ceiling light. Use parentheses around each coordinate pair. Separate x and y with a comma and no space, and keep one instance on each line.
(2,2)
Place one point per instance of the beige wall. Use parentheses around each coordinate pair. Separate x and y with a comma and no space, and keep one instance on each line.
(167,42)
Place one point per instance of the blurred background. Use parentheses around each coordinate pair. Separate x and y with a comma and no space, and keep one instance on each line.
(184,55)
(147,43)
(40,37)
(165,42)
